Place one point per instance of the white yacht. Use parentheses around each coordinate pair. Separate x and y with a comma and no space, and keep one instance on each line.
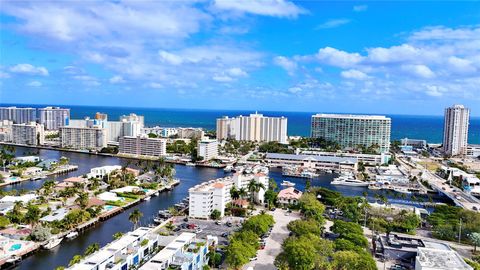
(72,235)
(190,164)
(287,183)
(349,180)
(228,169)
(52,243)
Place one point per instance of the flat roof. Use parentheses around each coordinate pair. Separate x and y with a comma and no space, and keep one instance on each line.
(169,251)
(351,116)
(441,259)
(313,157)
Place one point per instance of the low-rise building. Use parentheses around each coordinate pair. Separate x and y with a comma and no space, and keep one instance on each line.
(28,134)
(439,259)
(143,146)
(289,196)
(473,150)
(367,159)
(314,162)
(414,143)
(190,133)
(208,149)
(100,172)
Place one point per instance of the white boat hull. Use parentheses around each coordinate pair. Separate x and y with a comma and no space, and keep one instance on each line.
(52,243)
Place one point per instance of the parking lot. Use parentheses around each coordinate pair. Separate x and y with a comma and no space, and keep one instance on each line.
(210,227)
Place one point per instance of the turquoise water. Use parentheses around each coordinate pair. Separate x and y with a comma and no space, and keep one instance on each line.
(429,128)
(15,247)
(109,207)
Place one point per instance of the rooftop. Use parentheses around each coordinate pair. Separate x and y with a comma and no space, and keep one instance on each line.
(290,193)
(351,116)
(332,159)
(441,259)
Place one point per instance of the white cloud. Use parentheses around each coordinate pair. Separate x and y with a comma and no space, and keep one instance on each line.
(460,65)
(170,58)
(354,74)
(222,78)
(4,75)
(154,85)
(333,23)
(274,8)
(360,8)
(117,79)
(237,72)
(289,65)
(421,71)
(87,80)
(338,58)
(295,90)
(34,84)
(29,69)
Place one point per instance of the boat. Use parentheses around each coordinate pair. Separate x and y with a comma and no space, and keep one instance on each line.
(52,243)
(401,190)
(347,179)
(158,220)
(190,164)
(228,169)
(287,183)
(147,198)
(13,259)
(72,235)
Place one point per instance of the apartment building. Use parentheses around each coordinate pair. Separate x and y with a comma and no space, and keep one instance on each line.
(368,159)
(100,172)
(83,138)
(473,150)
(215,194)
(455,130)
(208,149)
(52,118)
(255,127)
(126,252)
(318,162)
(143,146)
(18,115)
(28,134)
(190,133)
(350,131)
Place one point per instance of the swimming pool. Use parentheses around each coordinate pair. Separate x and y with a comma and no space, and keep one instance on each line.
(12,179)
(15,247)
(109,207)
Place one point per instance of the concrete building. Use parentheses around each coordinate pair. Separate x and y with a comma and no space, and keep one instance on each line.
(83,138)
(208,149)
(350,131)
(332,163)
(455,130)
(215,194)
(473,150)
(28,134)
(100,172)
(184,252)
(368,159)
(53,117)
(255,127)
(190,133)
(439,259)
(6,130)
(126,252)
(289,196)
(414,143)
(143,146)
(18,115)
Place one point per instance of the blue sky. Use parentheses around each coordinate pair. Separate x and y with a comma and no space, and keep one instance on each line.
(364,57)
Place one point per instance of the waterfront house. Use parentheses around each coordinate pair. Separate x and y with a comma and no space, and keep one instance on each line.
(5,207)
(32,171)
(16,233)
(109,196)
(55,215)
(21,160)
(48,164)
(100,172)
(289,196)
(23,198)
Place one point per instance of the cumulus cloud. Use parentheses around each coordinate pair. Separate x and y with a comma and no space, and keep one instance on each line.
(274,8)
(338,58)
(360,8)
(289,65)
(421,71)
(29,69)
(34,84)
(354,74)
(333,23)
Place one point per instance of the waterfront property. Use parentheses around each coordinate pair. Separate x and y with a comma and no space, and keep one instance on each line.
(367,159)
(28,134)
(289,196)
(83,138)
(208,149)
(142,145)
(330,163)
(352,131)
(255,127)
(53,118)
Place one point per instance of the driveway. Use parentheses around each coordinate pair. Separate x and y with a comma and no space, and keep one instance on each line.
(273,247)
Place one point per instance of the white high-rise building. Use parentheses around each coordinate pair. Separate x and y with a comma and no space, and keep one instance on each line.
(53,117)
(350,131)
(28,133)
(208,149)
(83,138)
(455,130)
(18,115)
(143,146)
(255,127)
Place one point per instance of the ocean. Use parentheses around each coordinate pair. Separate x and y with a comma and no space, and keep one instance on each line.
(429,128)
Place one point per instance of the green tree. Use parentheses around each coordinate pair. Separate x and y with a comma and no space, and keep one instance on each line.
(4,222)
(350,260)
(239,253)
(303,227)
(40,233)
(117,235)
(82,199)
(475,238)
(311,207)
(134,217)
(76,259)
(33,215)
(215,215)
(270,197)
(91,249)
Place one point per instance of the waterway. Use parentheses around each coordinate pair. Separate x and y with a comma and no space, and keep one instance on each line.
(102,232)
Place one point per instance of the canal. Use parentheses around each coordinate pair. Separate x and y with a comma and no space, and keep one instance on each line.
(189,176)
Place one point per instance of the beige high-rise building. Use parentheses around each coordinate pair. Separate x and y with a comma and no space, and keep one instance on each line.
(455,130)
(83,138)
(28,134)
(255,127)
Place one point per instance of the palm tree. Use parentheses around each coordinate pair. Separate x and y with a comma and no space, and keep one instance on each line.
(242,192)
(82,199)
(134,217)
(33,215)
(234,193)
(91,249)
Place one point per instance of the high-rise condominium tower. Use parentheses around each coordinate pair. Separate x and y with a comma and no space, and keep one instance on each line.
(455,130)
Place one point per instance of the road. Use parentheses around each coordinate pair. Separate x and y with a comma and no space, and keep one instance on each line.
(273,247)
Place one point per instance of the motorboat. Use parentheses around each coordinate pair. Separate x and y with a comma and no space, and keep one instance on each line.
(72,235)
(228,169)
(158,220)
(52,243)
(190,164)
(287,183)
(401,190)
(147,198)
(13,259)
(348,179)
